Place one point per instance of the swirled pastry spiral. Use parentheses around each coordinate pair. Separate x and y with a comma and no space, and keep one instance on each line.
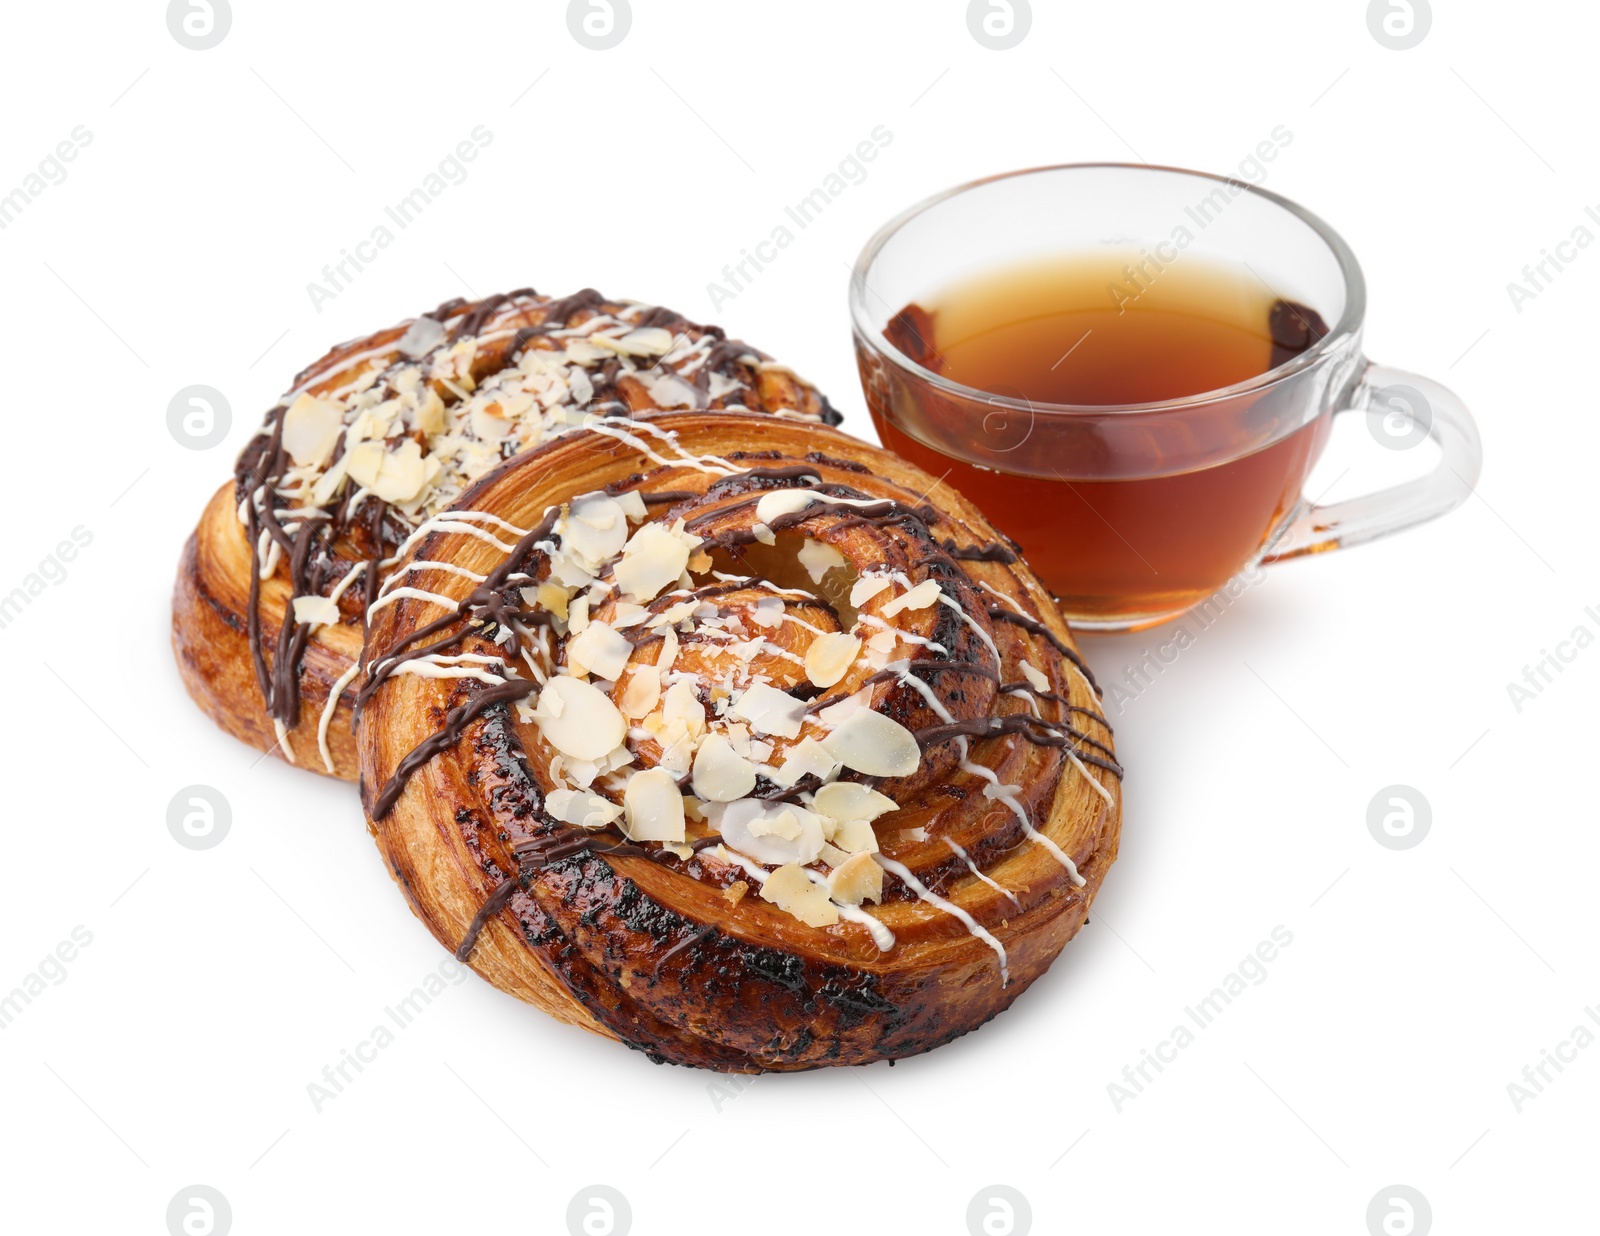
(736,740)
(384,433)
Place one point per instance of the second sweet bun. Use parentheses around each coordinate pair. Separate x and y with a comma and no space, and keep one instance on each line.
(384,433)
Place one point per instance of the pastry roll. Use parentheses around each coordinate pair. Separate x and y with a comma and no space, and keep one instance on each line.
(386,432)
(736,740)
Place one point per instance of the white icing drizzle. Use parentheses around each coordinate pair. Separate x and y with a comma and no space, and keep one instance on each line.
(1090,777)
(613,429)
(973,867)
(349,578)
(908,679)
(932,898)
(971,622)
(418,594)
(459,665)
(1065,660)
(872,620)
(1010,799)
(453,521)
(426,564)
(282,731)
(328,709)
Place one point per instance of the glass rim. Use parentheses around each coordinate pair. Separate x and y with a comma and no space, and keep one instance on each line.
(1341,332)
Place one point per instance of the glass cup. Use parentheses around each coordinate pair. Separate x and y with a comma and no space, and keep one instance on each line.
(1134,513)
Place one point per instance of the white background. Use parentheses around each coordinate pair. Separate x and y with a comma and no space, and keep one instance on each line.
(219,983)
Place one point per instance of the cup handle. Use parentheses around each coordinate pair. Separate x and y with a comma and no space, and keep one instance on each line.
(1401,408)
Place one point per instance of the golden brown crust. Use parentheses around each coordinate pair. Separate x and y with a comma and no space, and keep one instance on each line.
(662,953)
(210,614)
(211,599)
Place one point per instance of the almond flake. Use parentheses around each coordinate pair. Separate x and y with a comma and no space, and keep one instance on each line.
(394,476)
(552,597)
(806,757)
(770,711)
(600,651)
(858,879)
(653,558)
(920,597)
(867,587)
(872,743)
(852,836)
(594,531)
(1035,677)
(791,890)
(643,692)
(421,337)
(818,559)
(768,832)
(780,502)
(768,612)
(578,719)
(849,800)
(580,807)
(646,341)
(720,773)
(830,656)
(653,806)
(310,428)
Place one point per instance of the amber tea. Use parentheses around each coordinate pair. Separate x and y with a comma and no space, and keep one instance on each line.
(1153,527)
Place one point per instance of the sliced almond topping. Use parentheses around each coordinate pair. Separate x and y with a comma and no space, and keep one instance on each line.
(853,836)
(806,757)
(791,890)
(768,612)
(594,531)
(632,503)
(769,832)
(646,341)
(920,597)
(600,651)
(784,826)
(310,428)
(849,800)
(421,337)
(857,879)
(552,597)
(833,856)
(578,719)
(867,587)
(780,502)
(394,476)
(653,558)
(580,807)
(763,534)
(720,773)
(316,611)
(830,656)
(735,892)
(818,559)
(1035,677)
(682,712)
(643,692)
(653,806)
(430,412)
(770,711)
(872,743)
